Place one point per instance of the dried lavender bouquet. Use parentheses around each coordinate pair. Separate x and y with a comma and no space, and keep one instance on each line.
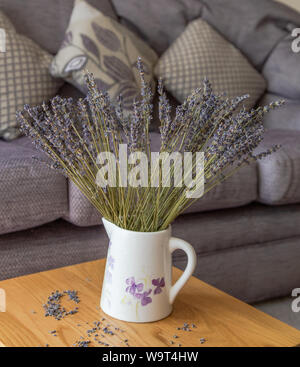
(73,133)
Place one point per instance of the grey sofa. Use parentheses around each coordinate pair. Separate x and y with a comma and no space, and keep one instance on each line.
(246,231)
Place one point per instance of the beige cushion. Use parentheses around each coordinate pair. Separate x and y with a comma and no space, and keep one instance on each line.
(101,45)
(24,77)
(201,52)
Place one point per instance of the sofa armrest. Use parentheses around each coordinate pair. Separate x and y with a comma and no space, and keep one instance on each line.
(279,173)
(282,69)
(287,117)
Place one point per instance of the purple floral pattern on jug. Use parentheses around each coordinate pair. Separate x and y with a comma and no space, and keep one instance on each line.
(159,283)
(108,277)
(144,297)
(137,289)
(109,269)
(133,288)
(110,262)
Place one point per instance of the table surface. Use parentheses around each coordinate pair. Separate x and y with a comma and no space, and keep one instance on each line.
(219,318)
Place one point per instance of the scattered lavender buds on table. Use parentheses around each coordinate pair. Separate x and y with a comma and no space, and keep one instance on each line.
(82,343)
(186,327)
(53,306)
(72,296)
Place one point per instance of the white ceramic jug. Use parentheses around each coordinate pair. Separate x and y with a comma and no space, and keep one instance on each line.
(137,284)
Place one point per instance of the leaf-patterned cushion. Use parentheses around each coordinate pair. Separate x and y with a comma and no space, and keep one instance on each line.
(99,44)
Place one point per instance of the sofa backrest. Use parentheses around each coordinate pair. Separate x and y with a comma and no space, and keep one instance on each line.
(45,21)
(253,26)
(159,22)
(258,28)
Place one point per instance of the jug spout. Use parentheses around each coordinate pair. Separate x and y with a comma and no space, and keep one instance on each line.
(109,227)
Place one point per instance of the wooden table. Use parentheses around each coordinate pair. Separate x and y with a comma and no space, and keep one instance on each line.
(219,318)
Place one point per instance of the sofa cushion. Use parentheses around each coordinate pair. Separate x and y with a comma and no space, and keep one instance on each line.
(238,190)
(158,22)
(45,21)
(200,52)
(282,70)
(24,77)
(252,273)
(81,212)
(255,27)
(279,173)
(287,117)
(50,246)
(30,193)
(225,229)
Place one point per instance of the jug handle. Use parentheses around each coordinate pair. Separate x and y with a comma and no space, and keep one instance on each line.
(178,244)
